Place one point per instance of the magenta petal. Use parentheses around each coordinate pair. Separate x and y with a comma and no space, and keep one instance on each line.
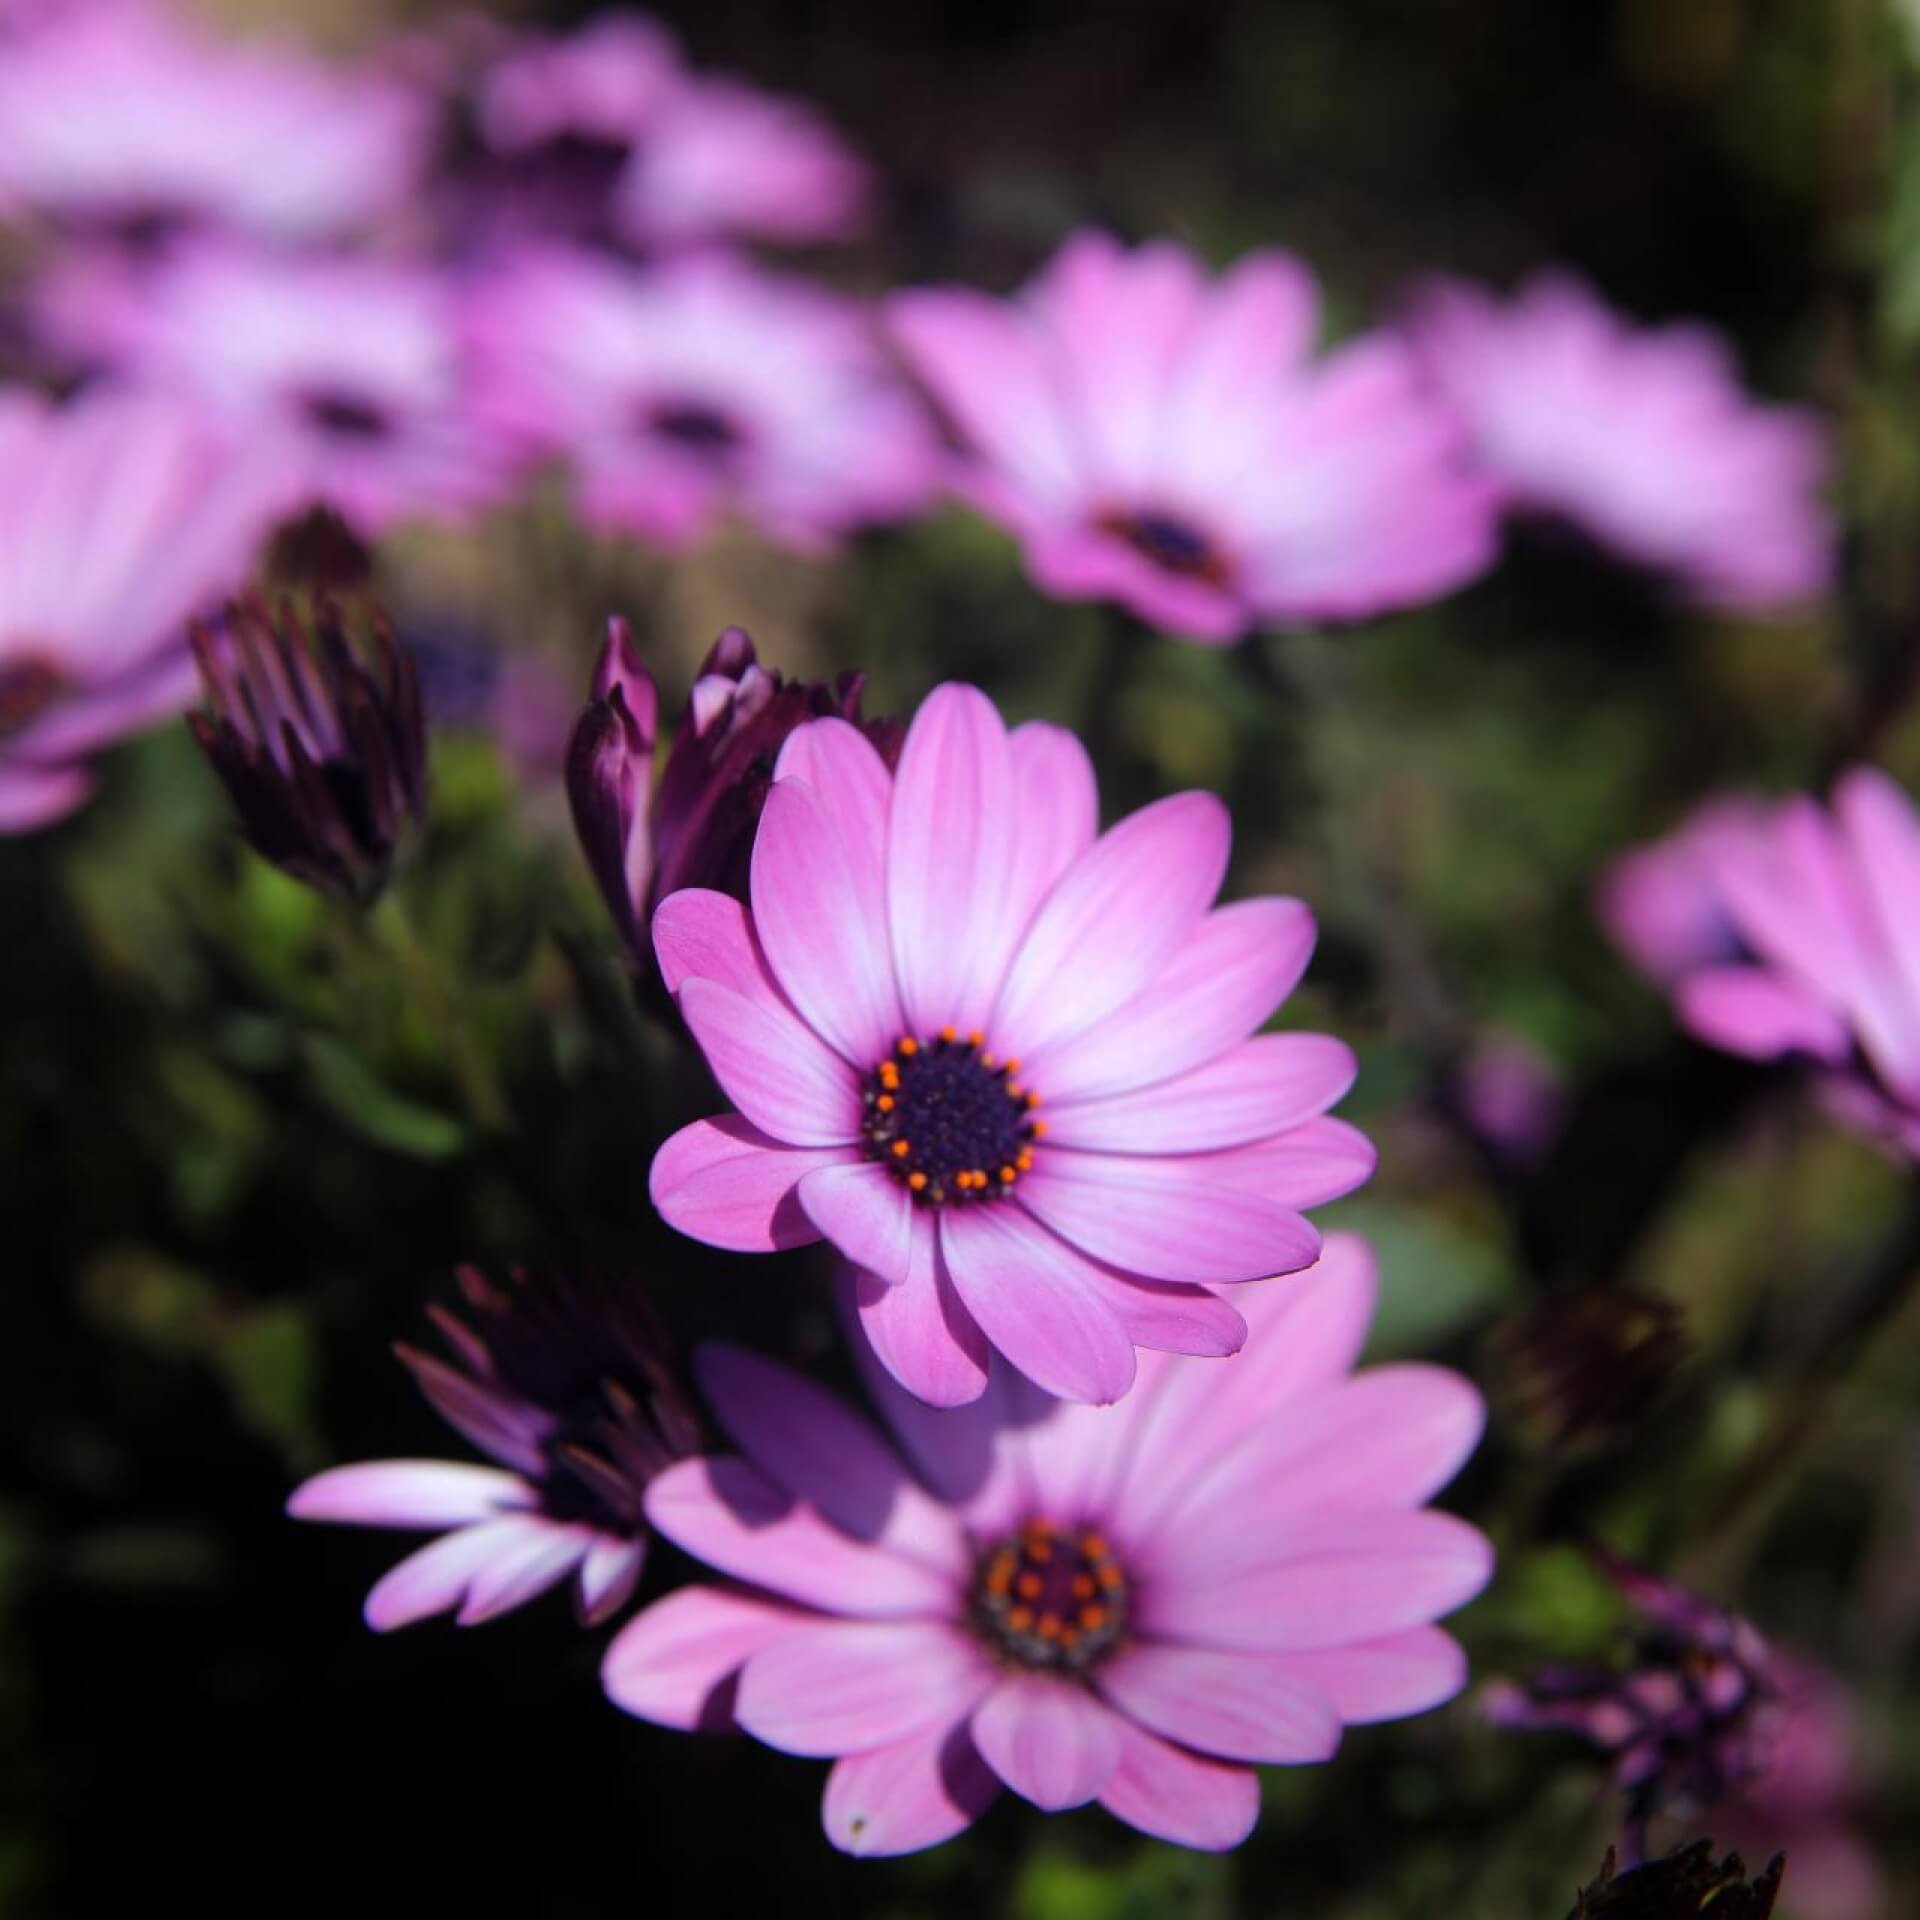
(1057,811)
(919,1330)
(1238,1706)
(1879,822)
(728,1514)
(727,1184)
(544,1553)
(819,907)
(608,1576)
(1153,1222)
(913,1794)
(1173,1318)
(702,935)
(1179,1796)
(1385,1679)
(949,840)
(1333,1578)
(410,1493)
(671,1664)
(1112,921)
(866,1213)
(1037,1302)
(846,1686)
(806,1440)
(772,1068)
(1229,974)
(1263,1087)
(1749,1011)
(848,778)
(33,797)
(1051,1741)
(1308,1166)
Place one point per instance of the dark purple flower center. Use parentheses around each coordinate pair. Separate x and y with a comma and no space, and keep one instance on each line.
(347,416)
(29,684)
(1172,544)
(950,1120)
(1051,1597)
(695,427)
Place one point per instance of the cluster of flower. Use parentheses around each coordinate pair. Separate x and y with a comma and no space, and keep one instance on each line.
(1139,1524)
(402,288)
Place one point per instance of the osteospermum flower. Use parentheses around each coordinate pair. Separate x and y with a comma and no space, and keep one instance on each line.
(1004,1065)
(661,155)
(698,830)
(349,369)
(121,116)
(120,516)
(1125,1604)
(1172,443)
(1822,954)
(1641,437)
(699,388)
(564,1382)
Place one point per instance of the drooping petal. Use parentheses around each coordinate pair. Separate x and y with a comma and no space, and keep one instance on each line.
(1228,975)
(1036,1302)
(1150,1221)
(1174,1795)
(1048,1739)
(544,1553)
(411,1493)
(1333,1578)
(772,1067)
(920,1330)
(1239,1706)
(804,1439)
(1385,1679)
(847,1686)
(674,1663)
(727,1184)
(608,1576)
(728,1514)
(1171,1317)
(1263,1087)
(819,907)
(1750,1011)
(1113,921)
(910,1795)
(436,1578)
(949,841)
(866,1213)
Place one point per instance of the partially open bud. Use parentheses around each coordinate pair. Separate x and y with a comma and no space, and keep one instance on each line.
(1689,1884)
(318,738)
(698,830)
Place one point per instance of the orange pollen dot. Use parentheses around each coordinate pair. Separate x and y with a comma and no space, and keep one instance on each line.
(1093,1618)
(1039,1128)
(998,1580)
(1094,1545)
(1020,1619)
(917,1181)
(1013,1066)
(885,1103)
(989,1062)
(1007,1175)
(1069,1638)
(908,1045)
(1049,1627)
(975,1037)
(948,1035)
(1083,1587)
(1032,1099)
(1025,1162)
(1111,1577)
(1029,1585)
(901,1149)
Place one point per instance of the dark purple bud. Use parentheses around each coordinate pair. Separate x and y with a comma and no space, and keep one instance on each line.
(318,738)
(1687,1885)
(610,781)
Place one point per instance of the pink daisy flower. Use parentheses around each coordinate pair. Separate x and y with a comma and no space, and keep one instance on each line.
(350,369)
(1641,437)
(1171,443)
(120,113)
(1823,908)
(564,1383)
(120,516)
(1005,1066)
(680,158)
(1127,1604)
(699,388)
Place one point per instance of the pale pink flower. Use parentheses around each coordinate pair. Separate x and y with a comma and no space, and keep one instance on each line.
(122,114)
(351,370)
(1824,910)
(1642,437)
(679,157)
(120,516)
(1004,1066)
(564,1382)
(699,388)
(1173,443)
(1126,1604)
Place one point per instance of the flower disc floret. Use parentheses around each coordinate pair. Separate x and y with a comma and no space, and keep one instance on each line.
(950,1120)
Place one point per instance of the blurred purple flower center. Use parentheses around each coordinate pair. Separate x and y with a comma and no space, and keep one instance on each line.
(695,426)
(345,415)
(1172,544)
(29,685)
(1048,1598)
(949,1119)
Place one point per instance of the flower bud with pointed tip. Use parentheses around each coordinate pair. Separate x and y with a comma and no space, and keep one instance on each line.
(318,738)
(1687,1883)
(610,779)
